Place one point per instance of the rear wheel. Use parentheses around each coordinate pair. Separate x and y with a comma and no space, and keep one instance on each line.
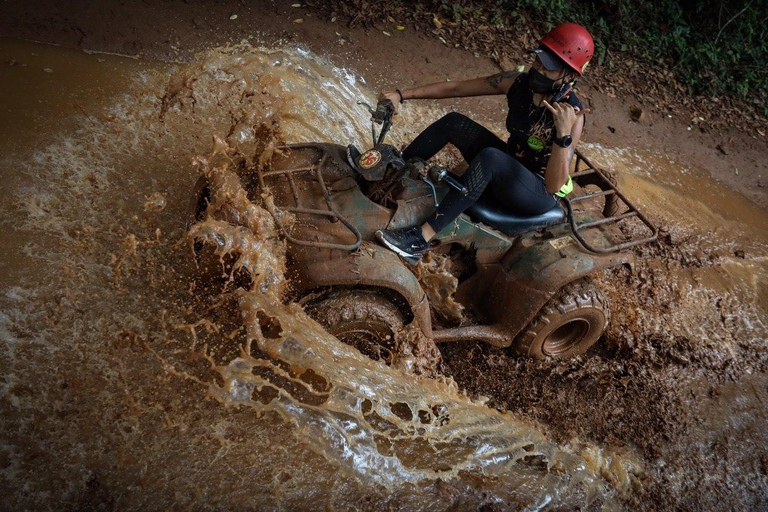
(567,325)
(360,318)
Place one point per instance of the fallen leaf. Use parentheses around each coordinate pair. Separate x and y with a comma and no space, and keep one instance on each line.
(521,68)
(386,33)
(400,27)
(295,5)
(437,23)
(233,17)
(333,20)
(48,70)
(636,113)
(298,20)
(736,171)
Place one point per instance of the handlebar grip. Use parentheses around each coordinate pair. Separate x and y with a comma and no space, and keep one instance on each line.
(384,110)
(452,182)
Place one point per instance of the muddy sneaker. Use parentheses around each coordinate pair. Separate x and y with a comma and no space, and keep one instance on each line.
(353,155)
(408,243)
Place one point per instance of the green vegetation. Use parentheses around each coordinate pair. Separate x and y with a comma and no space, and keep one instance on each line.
(714,47)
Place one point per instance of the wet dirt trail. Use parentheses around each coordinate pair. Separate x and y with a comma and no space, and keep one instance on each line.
(127,384)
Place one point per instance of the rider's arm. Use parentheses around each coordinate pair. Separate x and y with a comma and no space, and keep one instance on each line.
(494,84)
(556,173)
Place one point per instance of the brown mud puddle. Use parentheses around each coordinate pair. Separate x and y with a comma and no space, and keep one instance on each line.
(127,384)
(679,378)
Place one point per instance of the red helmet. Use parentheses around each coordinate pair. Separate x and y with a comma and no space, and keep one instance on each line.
(572,43)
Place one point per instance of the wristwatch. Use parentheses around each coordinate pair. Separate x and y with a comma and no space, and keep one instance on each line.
(563,141)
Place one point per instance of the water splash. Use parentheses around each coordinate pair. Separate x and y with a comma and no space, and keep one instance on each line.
(112,355)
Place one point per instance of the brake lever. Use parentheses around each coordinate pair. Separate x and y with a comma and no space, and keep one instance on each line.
(368,106)
(382,115)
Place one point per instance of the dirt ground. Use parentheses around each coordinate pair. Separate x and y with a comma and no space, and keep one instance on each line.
(568,400)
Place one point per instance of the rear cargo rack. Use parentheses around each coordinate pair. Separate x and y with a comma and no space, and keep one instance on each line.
(331,213)
(592,175)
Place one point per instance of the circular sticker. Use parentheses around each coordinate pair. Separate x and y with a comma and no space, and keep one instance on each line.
(535,143)
(369,159)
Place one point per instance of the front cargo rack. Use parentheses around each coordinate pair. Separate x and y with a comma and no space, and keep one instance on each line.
(317,170)
(587,174)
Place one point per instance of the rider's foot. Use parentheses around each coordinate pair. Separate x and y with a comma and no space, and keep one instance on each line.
(408,243)
(353,155)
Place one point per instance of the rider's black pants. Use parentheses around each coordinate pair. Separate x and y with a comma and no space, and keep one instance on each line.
(518,189)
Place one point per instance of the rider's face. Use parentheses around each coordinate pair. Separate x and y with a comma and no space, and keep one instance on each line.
(555,74)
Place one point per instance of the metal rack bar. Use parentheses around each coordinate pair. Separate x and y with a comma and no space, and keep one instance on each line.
(608,189)
(583,173)
(331,213)
(290,171)
(294,190)
(590,196)
(600,222)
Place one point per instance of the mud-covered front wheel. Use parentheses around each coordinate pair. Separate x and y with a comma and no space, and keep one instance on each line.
(567,325)
(360,318)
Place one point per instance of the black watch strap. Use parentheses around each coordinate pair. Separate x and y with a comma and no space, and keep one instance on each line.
(563,141)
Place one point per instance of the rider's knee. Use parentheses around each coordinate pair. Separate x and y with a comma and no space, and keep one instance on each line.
(453,118)
(490,156)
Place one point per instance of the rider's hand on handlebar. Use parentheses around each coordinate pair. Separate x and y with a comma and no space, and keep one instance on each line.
(391,96)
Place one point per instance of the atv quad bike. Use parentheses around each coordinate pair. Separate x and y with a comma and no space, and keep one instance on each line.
(524,282)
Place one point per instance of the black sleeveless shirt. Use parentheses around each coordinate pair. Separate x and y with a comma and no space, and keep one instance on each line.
(531,128)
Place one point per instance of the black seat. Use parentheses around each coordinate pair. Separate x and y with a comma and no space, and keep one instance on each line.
(488,211)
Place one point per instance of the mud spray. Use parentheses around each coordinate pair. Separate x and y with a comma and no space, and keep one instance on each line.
(132,380)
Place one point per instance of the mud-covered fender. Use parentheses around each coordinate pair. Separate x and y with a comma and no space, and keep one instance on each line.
(370,266)
(535,273)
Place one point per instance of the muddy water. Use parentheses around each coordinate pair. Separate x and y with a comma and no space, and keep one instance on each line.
(129,383)
(713,257)
(126,383)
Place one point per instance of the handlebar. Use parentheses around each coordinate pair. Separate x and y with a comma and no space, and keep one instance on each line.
(429,172)
(385,109)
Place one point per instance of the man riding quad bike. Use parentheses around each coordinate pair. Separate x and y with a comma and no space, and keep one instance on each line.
(508,261)
(521,281)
